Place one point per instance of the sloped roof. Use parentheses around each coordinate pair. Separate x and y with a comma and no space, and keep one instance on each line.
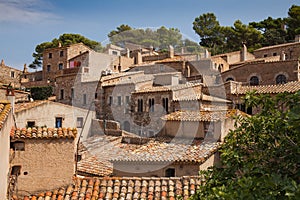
(43,133)
(4,111)
(202,116)
(129,80)
(289,87)
(168,88)
(124,188)
(28,105)
(93,167)
(277,46)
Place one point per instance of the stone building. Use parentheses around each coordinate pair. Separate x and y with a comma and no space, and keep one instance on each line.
(9,75)
(6,122)
(41,159)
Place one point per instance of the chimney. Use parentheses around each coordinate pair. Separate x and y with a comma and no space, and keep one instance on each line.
(175,80)
(127,53)
(244,52)
(206,54)
(297,38)
(139,58)
(282,57)
(25,69)
(2,63)
(171,51)
(59,44)
(10,95)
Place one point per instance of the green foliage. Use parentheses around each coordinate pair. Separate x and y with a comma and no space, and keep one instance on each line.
(159,38)
(223,39)
(41,93)
(261,158)
(65,40)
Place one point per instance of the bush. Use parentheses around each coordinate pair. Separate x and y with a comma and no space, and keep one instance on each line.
(41,93)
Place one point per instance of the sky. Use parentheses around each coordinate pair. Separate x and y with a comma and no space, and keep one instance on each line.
(27,23)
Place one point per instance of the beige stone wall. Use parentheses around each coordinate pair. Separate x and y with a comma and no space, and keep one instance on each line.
(10,75)
(4,155)
(45,165)
(212,160)
(152,169)
(185,129)
(267,72)
(291,50)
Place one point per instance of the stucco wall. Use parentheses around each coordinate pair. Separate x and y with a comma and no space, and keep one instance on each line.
(212,160)
(153,169)
(46,164)
(4,155)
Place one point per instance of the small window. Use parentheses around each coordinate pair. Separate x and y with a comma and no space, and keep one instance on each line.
(110,100)
(96,95)
(50,55)
(162,68)
(151,105)
(86,70)
(165,102)
(62,95)
(170,172)
(61,53)
(115,53)
(16,170)
(254,80)
(48,68)
(79,122)
(265,55)
(274,54)
(12,74)
(72,93)
(281,79)
(60,66)
(30,124)
(17,146)
(84,99)
(58,122)
(119,100)
(127,99)
(229,79)
(140,105)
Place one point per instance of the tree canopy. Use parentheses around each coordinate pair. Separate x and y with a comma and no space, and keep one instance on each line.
(223,39)
(64,40)
(159,38)
(261,158)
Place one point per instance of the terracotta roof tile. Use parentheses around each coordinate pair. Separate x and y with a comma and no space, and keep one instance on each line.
(93,167)
(129,80)
(43,133)
(167,88)
(124,188)
(206,116)
(4,111)
(290,87)
(25,106)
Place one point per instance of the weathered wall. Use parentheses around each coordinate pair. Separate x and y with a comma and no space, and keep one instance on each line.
(153,169)
(9,75)
(212,160)
(46,164)
(4,155)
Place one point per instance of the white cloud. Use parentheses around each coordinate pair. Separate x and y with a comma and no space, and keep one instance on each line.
(28,11)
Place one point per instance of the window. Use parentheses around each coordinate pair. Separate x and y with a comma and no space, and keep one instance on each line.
(170,172)
(60,66)
(50,55)
(151,105)
(127,99)
(79,122)
(16,170)
(229,79)
(84,99)
(161,68)
(165,102)
(110,100)
(96,95)
(72,93)
(140,105)
(114,53)
(30,124)
(265,55)
(274,54)
(119,100)
(254,80)
(281,79)
(17,146)
(12,74)
(62,95)
(61,53)
(58,122)
(48,68)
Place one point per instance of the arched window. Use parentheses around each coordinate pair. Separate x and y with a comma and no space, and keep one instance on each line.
(281,79)
(254,80)
(229,79)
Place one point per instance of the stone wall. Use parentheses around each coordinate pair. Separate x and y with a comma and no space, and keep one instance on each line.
(9,75)
(45,165)
(265,71)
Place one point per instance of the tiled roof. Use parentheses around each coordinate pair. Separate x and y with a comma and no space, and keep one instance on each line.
(198,96)
(124,188)
(290,87)
(206,116)
(118,75)
(109,148)
(129,80)
(277,46)
(43,133)
(27,105)
(91,166)
(168,88)
(4,111)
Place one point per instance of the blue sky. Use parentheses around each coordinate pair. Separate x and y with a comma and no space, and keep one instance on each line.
(26,23)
